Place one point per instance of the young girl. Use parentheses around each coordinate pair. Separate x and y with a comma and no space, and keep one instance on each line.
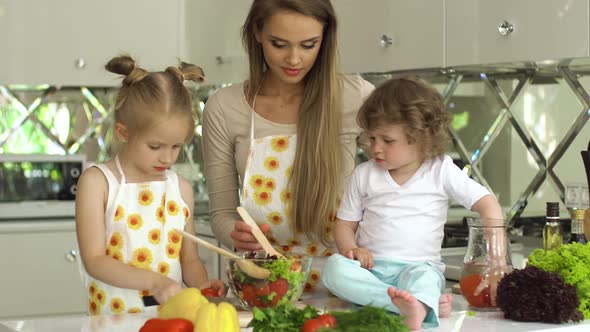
(128,207)
(397,204)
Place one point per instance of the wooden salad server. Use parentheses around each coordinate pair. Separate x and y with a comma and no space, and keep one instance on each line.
(270,250)
(248,267)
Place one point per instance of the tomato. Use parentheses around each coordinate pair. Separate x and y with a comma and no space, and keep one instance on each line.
(468,285)
(209,292)
(325,321)
(262,291)
(279,286)
(248,294)
(328,320)
(167,325)
(312,325)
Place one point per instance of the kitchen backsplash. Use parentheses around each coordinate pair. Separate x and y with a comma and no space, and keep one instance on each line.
(518,128)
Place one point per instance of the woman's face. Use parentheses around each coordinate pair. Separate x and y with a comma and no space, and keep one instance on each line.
(291,43)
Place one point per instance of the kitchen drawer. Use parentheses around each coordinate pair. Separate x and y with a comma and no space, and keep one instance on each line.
(541,30)
(40,273)
(385,35)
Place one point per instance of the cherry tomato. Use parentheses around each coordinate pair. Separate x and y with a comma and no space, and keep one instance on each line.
(312,325)
(328,320)
(209,292)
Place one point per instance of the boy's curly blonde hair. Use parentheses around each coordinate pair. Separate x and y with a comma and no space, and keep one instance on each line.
(417,106)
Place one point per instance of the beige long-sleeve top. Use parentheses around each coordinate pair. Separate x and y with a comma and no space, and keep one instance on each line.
(226,140)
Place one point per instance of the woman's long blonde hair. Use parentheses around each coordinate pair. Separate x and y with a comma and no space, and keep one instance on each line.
(315,182)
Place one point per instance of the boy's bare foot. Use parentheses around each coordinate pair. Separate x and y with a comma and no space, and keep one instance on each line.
(409,307)
(445,304)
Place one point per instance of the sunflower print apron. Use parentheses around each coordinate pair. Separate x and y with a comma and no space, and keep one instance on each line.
(140,219)
(265,192)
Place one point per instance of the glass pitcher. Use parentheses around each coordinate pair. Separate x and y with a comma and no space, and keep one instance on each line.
(486,238)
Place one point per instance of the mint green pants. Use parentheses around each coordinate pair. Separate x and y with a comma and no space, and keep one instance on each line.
(349,281)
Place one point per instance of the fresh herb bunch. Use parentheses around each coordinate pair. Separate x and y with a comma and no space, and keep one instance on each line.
(367,319)
(285,317)
(572,263)
(288,318)
(535,295)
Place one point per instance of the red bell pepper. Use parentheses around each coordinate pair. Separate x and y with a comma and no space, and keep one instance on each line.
(167,325)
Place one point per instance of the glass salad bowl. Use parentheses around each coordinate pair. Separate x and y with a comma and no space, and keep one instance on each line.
(284,284)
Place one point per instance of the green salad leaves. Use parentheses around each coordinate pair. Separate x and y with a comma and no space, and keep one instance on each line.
(572,263)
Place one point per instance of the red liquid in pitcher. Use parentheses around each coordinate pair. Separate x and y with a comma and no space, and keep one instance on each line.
(471,278)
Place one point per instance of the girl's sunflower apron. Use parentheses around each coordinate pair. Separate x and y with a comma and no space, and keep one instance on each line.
(140,219)
(265,192)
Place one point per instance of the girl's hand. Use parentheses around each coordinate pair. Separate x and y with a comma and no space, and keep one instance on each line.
(363,255)
(242,236)
(216,285)
(164,289)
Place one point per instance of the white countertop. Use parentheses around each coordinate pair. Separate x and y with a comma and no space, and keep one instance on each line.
(460,320)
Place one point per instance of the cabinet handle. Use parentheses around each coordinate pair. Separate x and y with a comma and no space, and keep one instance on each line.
(385,41)
(505,28)
(80,63)
(71,256)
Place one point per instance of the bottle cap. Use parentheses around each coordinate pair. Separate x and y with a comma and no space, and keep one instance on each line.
(552,209)
(578,214)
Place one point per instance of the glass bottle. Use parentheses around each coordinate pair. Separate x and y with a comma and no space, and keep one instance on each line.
(578,227)
(552,233)
(488,241)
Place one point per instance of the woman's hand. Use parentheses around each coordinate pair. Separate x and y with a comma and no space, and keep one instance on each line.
(363,255)
(217,285)
(242,236)
(164,289)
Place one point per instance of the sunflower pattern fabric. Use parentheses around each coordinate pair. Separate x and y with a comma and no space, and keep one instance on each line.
(265,194)
(140,222)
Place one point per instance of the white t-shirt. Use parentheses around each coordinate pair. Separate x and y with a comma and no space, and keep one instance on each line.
(406,222)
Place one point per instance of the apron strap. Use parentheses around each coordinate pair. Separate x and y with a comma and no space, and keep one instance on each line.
(120,169)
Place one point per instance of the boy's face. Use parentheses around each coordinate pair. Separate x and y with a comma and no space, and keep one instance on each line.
(392,151)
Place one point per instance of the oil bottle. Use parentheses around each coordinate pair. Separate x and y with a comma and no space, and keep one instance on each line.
(552,233)
(578,227)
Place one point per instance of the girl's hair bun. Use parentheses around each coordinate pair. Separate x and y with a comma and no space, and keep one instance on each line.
(125,65)
(187,71)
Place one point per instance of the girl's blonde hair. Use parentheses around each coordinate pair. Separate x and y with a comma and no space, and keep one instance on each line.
(146,97)
(315,182)
(417,106)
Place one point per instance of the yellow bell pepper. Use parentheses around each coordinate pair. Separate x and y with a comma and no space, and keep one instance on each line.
(217,318)
(184,304)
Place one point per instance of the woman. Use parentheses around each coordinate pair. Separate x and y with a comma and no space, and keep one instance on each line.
(288,133)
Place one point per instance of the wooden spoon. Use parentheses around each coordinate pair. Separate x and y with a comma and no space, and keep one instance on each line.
(248,267)
(270,250)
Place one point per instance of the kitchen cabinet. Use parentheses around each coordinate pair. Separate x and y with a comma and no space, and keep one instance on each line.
(40,274)
(68,42)
(212,38)
(209,258)
(480,31)
(385,35)
(39,269)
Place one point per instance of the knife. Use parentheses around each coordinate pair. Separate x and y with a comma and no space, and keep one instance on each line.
(149,300)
